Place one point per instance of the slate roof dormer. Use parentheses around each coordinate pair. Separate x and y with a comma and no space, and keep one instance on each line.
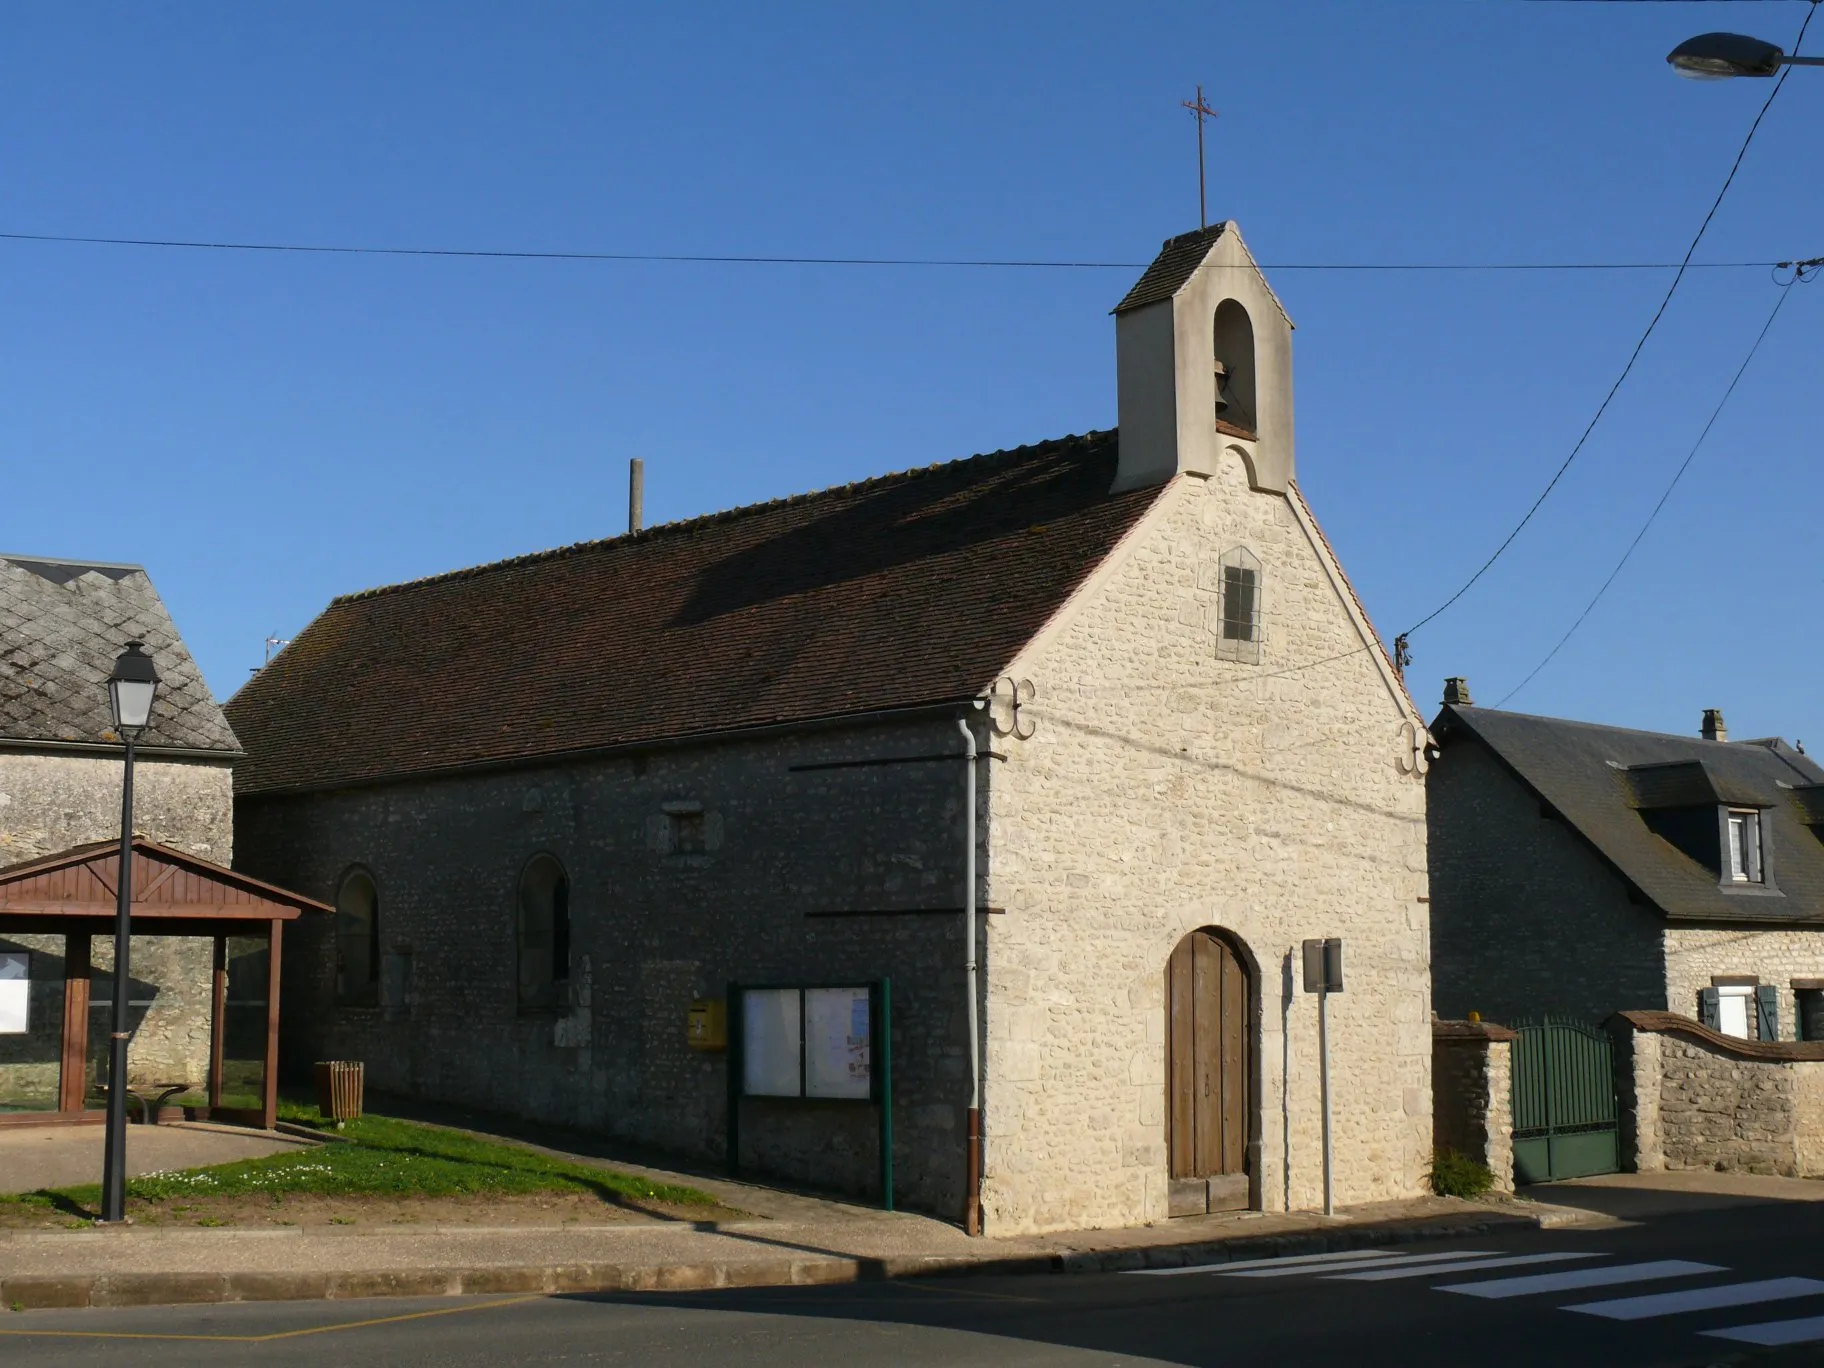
(62,623)
(1649,804)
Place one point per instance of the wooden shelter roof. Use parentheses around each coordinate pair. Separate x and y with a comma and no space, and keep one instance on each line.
(184,894)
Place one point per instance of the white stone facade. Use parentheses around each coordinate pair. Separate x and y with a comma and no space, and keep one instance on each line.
(1776,956)
(50,802)
(1164,789)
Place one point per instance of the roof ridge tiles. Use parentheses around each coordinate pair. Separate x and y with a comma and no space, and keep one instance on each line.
(1470,711)
(684,526)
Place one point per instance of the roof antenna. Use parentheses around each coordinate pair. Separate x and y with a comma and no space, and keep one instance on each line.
(275,643)
(636,494)
(1201,111)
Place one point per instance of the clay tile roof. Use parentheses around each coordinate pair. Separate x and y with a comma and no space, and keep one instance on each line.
(62,623)
(910,589)
(1177,261)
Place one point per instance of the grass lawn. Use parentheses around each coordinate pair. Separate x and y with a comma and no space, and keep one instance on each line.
(399,1165)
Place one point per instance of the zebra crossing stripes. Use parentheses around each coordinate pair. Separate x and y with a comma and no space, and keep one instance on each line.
(1773,1333)
(1278,1261)
(1367,1265)
(1701,1299)
(1386,1261)
(1614,1274)
(1462,1265)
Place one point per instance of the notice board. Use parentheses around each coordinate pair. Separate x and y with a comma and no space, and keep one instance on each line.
(807,1042)
(812,1043)
(15,992)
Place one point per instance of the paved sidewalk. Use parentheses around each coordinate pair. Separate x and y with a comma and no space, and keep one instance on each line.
(33,1157)
(131,1267)
(783,1238)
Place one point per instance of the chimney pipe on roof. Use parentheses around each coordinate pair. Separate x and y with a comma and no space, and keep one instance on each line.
(1456,690)
(1713,729)
(636,494)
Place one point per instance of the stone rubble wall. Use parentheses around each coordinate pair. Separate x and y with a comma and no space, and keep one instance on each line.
(1164,789)
(1472,1095)
(1511,886)
(653,928)
(1718,1103)
(49,803)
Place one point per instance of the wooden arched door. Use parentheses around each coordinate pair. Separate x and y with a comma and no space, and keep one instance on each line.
(1208,1068)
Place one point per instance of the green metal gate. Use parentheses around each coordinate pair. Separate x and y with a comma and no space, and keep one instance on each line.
(1564,1102)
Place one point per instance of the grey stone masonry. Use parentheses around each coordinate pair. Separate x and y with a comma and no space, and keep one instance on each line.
(1692,1098)
(1525,918)
(1472,1106)
(821,875)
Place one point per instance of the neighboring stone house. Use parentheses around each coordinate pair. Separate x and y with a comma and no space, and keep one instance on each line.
(559,798)
(62,623)
(1582,870)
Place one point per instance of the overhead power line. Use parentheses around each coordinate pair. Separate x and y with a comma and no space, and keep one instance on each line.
(1626,370)
(743,259)
(1679,474)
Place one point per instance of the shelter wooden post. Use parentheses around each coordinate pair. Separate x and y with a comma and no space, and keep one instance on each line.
(72,1081)
(275,940)
(73,895)
(218,1008)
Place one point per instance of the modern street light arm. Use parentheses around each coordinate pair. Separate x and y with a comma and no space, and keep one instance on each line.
(1718,56)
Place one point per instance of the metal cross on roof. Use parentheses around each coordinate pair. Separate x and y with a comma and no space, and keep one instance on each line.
(1200,111)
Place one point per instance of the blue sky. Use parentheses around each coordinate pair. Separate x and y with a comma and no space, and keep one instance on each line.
(266,431)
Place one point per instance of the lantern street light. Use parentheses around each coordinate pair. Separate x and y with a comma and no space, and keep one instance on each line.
(1718,56)
(131,689)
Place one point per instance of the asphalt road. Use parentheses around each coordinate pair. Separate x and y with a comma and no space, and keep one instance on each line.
(1415,1306)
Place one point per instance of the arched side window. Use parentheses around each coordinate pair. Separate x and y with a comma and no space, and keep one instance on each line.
(1232,336)
(544,934)
(1238,615)
(357,940)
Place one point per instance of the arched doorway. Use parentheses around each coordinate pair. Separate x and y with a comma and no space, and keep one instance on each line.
(1209,1072)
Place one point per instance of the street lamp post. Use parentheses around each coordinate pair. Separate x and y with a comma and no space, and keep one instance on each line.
(131,689)
(1718,56)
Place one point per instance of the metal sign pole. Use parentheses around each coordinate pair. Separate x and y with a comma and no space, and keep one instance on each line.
(881,1070)
(737,1067)
(1323,1065)
(1324,976)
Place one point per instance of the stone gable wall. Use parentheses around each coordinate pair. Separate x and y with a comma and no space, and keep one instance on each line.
(1163,790)
(1511,888)
(652,928)
(49,803)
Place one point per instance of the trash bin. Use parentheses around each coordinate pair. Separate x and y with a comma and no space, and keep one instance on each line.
(340,1084)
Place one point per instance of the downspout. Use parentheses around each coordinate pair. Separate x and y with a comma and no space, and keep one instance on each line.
(972,1164)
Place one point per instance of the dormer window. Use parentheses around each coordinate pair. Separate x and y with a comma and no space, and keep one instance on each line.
(1744,845)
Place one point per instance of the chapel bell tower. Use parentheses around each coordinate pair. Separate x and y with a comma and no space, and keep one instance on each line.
(1203,359)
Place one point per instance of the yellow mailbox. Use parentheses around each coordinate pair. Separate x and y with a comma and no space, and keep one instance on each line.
(706,1027)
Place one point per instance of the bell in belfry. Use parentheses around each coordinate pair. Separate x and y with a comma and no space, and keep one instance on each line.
(1222,389)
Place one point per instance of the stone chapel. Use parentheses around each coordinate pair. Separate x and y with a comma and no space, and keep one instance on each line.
(559,799)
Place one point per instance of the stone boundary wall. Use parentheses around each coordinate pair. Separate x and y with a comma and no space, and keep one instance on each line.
(1692,1098)
(1472,1101)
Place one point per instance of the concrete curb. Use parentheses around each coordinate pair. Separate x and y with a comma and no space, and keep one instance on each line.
(46,1291)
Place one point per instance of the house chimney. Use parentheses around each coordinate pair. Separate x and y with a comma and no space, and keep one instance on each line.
(1456,690)
(1713,729)
(636,494)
